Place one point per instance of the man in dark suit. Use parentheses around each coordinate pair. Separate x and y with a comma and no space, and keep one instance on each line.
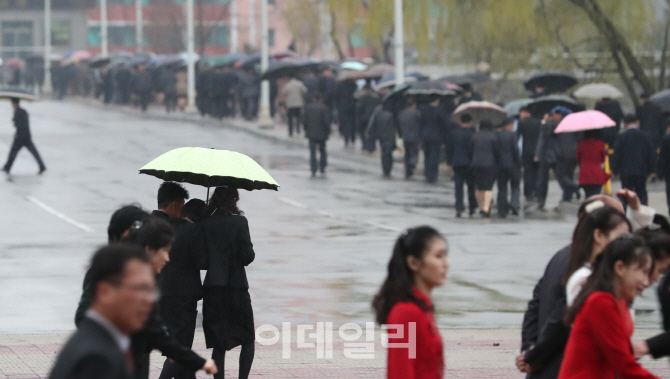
(459,159)
(171,198)
(509,169)
(22,138)
(364,108)
(317,122)
(434,125)
(529,133)
(123,282)
(409,123)
(650,117)
(382,126)
(633,158)
(546,154)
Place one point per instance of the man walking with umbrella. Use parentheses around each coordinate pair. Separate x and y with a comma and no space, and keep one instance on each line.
(22,138)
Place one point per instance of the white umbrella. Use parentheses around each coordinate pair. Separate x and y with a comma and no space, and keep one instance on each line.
(598,91)
(481,110)
(17,92)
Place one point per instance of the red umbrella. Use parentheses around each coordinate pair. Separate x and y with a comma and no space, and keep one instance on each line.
(15,62)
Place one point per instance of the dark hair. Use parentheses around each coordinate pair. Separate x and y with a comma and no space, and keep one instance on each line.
(629,118)
(169,192)
(592,134)
(123,219)
(644,95)
(486,125)
(224,201)
(627,249)
(399,281)
(465,118)
(108,264)
(658,241)
(317,97)
(606,219)
(155,233)
(15,100)
(524,109)
(194,210)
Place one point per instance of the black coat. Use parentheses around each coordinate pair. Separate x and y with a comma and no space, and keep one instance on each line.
(458,154)
(434,124)
(364,108)
(651,120)
(21,123)
(659,345)
(383,127)
(547,149)
(409,122)
(229,250)
(344,97)
(633,154)
(529,129)
(181,275)
(664,158)
(317,121)
(543,325)
(508,150)
(484,149)
(91,352)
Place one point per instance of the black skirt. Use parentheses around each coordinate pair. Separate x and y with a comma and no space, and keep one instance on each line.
(485,177)
(227,317)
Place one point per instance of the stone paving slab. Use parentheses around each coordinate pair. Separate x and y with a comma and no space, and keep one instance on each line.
(470,353)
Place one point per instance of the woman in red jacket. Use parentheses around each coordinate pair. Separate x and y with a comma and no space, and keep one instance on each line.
(590,157)
(599,345)
(418,264)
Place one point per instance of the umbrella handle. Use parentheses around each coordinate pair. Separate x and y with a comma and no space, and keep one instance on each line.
(207,198)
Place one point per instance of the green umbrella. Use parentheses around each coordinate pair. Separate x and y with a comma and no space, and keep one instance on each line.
(210,168)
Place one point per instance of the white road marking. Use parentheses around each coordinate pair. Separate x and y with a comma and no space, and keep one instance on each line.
(61,216)
(332,215)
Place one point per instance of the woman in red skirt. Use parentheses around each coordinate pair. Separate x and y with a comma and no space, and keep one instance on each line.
(418,264)
(591,153)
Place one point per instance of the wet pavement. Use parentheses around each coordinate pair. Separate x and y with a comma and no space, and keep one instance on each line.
(321,244)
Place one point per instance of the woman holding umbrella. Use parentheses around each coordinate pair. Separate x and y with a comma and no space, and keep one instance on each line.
(228,319)
(484,151)
(591,154)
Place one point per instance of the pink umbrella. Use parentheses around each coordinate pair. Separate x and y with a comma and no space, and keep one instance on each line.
(80,55)
(585,120)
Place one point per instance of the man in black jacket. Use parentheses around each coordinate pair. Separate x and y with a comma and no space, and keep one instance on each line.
(317,122)
(434,126)
(382,126)
(171,198)
(459,159)
(409,123)
(509,169)
(650,117)
(22,138)
(633,158)
(124,289)
(529,133)
(364,108)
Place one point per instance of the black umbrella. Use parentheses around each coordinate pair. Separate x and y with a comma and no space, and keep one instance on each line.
(545,104)
(462,80)
(392,99)
(99,62)
(290,68)
(662,99)
(551,81)
(430,87)
(170,61)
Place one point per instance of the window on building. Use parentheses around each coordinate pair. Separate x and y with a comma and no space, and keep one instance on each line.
(219,36)
(121,35)
(271,37)
(93,36)
(16,34)
(60,33)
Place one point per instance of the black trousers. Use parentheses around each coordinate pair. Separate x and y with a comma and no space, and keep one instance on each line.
(250,104)
(179,315)
(145,99)
(347,126)
(387,157)
(16,146)
(465,176)
(591,189)
(543,181)
(511,177)
(323,155)
(530,174)
(294,116)
(566,177)
(431,152)
(638,184)
(667,192)
(411,157)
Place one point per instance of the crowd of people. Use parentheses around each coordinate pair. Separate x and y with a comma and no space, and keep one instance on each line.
(579,323)
(121,318)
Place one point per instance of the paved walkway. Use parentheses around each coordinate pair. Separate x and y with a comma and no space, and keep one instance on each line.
(469,354)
